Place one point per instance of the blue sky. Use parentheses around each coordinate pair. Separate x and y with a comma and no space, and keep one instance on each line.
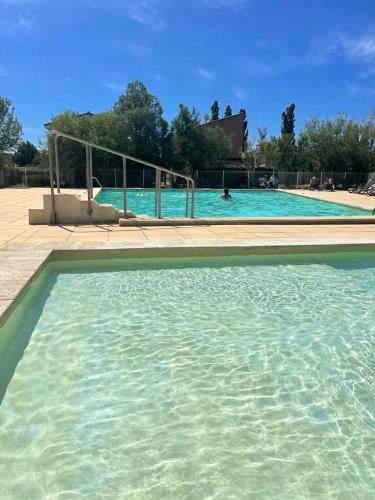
(257,54)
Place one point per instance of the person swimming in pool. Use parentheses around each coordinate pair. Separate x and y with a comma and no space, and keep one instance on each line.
(226,195)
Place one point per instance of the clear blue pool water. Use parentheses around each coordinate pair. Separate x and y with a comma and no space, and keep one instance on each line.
(244,203)
(200,378)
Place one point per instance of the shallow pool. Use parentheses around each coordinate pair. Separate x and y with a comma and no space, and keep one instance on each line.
(241,377)
(244,203)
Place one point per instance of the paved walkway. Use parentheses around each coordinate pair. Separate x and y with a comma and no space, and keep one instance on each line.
(355,200)
(14,226)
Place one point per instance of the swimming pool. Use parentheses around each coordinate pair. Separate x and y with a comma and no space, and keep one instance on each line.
(226,377)
(244,203)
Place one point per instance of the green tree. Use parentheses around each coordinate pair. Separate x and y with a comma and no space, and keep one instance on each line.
(228,111)
(71,154)
(286,154)
(215,111)
(185,141)
(245,130)
(338,145)
(262,134)
(191,146)
(10,127)
(142,118)
(217,146)
(267,151)
(25,153)
(287,122)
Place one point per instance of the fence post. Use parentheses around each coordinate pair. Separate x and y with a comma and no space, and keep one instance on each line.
(26,176)
(223,179)
(143,177)
(114,170)
(297,179)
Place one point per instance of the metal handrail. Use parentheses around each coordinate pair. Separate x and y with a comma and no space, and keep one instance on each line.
(55,134)
(97,180)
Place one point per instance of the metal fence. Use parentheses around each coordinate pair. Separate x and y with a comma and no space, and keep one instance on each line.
(214,179)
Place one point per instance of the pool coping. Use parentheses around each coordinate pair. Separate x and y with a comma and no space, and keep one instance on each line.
(212,221)
(20,265)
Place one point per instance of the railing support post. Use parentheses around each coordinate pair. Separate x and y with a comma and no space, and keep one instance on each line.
(53,208)
(159,195)
(156,193)
(91,175)
(187,200)
(88,173)
(297,179)
(223,179)
(57,165)
(192,198)
(124,182)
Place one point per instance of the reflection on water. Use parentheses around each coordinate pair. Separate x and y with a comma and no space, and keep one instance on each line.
(220,379)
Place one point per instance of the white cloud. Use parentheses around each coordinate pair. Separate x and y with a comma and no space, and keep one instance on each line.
(147,12)
(357,90)
(240,93)
(159,78)
(360,49)
(115,86)
(219,4)
(254,66)
(24,23)
(138,48)
(16,25)
(204,73)
(22,3)
(17,16)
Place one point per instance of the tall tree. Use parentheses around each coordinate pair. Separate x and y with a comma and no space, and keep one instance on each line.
(215,111)
(142,117)
(262,134)
(10,127)
(245,130)
(287,122)
(228,111)
(185,141)
(25,153)
(190,146)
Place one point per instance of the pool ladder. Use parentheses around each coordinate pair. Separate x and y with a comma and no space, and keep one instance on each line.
(54,172)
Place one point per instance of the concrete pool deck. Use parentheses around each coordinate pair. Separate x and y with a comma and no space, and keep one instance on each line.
(15,228)
(25,248)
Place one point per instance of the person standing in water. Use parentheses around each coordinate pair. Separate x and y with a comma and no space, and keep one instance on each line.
(226,195)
